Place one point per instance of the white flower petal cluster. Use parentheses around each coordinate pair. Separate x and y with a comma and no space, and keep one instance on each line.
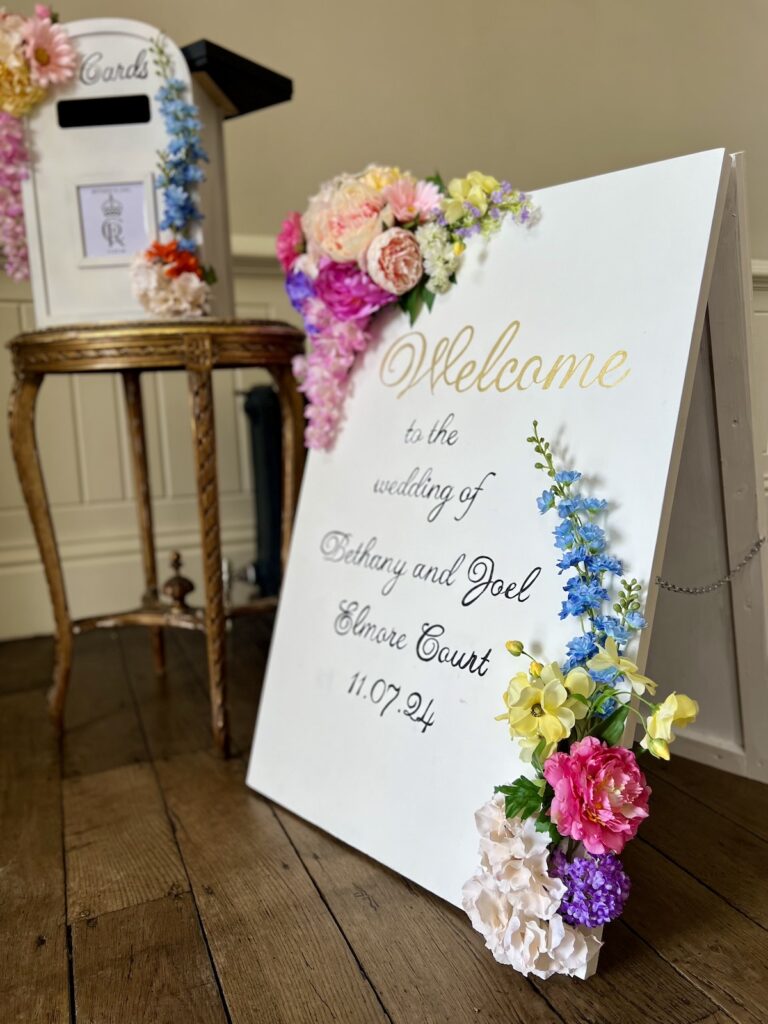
(164,296)
(513,902)
(439,256)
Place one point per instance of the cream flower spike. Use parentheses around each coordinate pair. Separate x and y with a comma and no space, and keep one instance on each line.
(608,658)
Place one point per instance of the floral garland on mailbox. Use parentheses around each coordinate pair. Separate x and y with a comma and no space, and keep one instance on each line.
(368,240)
(35,54)
(168,278)
(549,870)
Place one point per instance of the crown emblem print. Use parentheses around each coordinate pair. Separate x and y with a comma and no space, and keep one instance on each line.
(112,225)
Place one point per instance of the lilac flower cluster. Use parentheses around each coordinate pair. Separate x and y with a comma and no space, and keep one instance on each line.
(596,888)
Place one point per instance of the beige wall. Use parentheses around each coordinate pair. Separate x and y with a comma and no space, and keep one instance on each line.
(541,92)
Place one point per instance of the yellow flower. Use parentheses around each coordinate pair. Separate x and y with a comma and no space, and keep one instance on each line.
(543,708)
(515,647)
(379,177)
(608,658)
(18,94)
(578,682)
(676,711)
(535,669)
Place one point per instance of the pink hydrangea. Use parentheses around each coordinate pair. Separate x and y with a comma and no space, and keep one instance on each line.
(601,796)
(290,241)
(348,291)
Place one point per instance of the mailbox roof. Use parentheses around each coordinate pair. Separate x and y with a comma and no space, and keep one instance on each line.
(236,84)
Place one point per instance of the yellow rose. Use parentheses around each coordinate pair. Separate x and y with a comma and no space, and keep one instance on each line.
(379,177)
(677,711)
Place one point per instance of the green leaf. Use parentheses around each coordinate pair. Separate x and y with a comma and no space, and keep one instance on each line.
(611,728)
(437,179)
(536,755)
(412,302)
(429,298)
(522,798)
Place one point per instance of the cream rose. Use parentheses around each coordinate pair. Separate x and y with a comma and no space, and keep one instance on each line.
(343,219)
(393,261)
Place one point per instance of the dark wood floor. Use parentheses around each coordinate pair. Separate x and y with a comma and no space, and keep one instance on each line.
(141,882)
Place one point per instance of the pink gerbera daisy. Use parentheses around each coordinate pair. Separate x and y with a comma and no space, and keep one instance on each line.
(49,51)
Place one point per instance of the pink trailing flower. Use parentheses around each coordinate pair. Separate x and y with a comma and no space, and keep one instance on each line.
(601,796)
(394,262)
(43,11)
(50,52)
(412,200)
(348,291)
(14,162)
(290,241)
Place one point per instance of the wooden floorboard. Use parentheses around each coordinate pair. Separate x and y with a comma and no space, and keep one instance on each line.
(26,664)
(279,954)
(33,939)
(421,954)
(692,836)
(119,845)
(147,964)
(716,947)
(102,729)
(741,801)
(192,899)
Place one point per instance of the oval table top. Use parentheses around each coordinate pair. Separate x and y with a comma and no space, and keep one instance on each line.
(201,343)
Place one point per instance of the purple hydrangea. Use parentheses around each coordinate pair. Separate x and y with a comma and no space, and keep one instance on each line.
(299,289)
(596,888)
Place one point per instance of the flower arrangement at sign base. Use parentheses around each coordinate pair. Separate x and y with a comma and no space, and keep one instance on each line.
(168,278)
(35,54)
(550,873)
(369,240)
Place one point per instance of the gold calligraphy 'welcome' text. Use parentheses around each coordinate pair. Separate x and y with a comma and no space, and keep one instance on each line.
(407,363)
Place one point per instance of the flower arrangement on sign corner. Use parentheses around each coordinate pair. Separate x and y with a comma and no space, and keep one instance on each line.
(36,55)
(550,873)
(369,240)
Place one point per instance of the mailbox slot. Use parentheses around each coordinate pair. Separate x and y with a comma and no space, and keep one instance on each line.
(103,110)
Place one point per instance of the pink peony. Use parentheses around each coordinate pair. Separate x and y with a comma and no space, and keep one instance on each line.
(394,261)
(601,796)
(412,200)
(43,11)
(344,217)
(348,292)
(49,51)
(290,241)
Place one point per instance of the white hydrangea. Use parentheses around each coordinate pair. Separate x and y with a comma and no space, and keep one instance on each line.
(513,902)
(437,252)
(164,296)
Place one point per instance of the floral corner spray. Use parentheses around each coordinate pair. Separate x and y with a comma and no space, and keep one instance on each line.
(549,867)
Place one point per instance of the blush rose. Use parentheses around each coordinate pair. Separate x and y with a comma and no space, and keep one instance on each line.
(394,261)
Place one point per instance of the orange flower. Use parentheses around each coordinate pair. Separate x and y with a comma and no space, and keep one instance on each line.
(177,261)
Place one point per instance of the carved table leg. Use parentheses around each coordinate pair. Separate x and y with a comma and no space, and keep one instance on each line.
(21,421)
(292,413)
(132,386)
(201,398)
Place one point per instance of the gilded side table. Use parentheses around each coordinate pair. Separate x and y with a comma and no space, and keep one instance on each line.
(199,347)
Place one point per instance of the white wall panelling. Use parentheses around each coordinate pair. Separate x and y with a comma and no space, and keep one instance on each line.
(84,448)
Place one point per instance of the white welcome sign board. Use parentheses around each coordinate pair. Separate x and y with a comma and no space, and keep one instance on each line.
(418,549)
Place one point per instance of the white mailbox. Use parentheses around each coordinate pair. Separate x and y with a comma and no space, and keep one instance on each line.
(91,202)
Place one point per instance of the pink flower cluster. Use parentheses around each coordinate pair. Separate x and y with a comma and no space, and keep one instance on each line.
(353,252)
(601,796)
(14,162)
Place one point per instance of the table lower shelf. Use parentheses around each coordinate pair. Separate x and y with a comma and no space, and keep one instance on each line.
(167,615)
